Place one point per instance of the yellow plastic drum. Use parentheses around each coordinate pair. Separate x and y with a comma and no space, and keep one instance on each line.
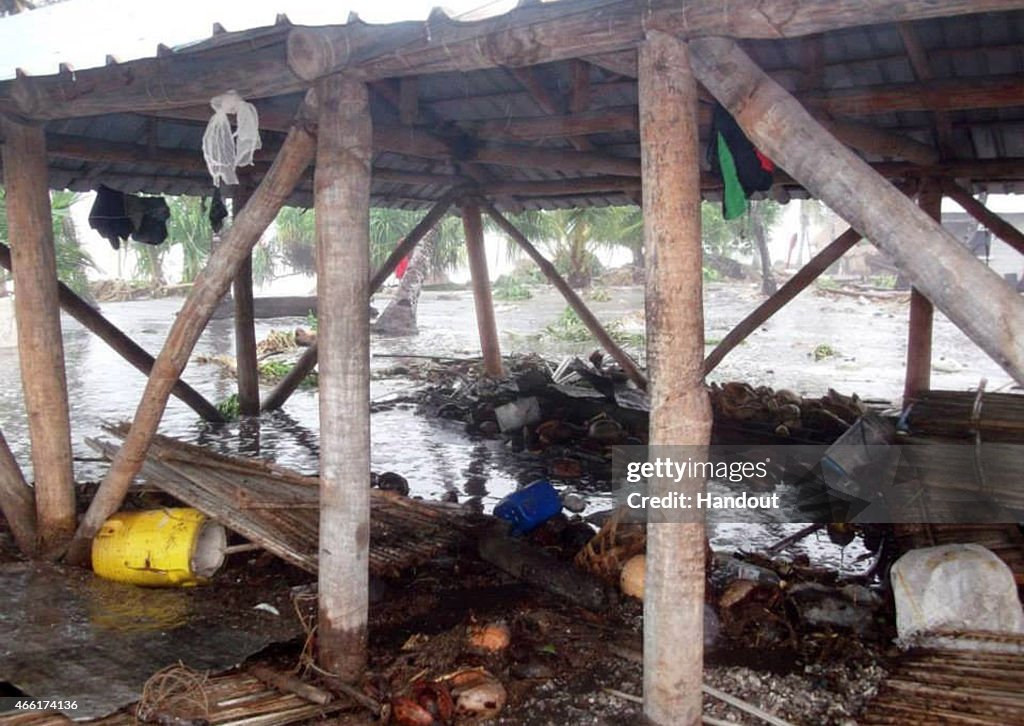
(159,548)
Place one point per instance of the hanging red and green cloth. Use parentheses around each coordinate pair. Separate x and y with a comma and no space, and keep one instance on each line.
(743,169)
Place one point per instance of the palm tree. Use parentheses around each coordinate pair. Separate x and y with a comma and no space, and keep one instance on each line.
(190,228)
(72,260)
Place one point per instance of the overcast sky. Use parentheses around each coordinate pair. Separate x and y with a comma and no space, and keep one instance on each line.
(83,32)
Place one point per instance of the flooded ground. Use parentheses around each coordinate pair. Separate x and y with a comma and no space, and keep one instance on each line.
(867,337)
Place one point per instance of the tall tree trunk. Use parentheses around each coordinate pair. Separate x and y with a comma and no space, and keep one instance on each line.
(156,268)
(399,317)
(768,286)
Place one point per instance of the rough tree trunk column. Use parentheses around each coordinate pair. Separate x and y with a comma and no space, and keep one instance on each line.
(295,155)
(17,502)
(919,335)
(342,188)
(40,345)
(974,298)
(245,325)
(680,410)
(473,225)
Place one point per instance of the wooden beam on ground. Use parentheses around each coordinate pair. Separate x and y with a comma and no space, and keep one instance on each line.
(40,343)
(918,376)
(543,32)
(295,155)
(246,364)
(342,182)
(973,297)
(489,346)
(127,348)
(17,502)
(593,324)
(992,221)
(793,287)
(307,361)
(680,409)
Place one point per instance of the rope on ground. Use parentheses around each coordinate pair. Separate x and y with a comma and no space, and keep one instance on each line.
(175,693)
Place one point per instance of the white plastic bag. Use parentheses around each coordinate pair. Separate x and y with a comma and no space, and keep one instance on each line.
(223,150)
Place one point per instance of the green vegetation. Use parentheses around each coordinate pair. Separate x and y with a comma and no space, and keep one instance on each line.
(827,283)
(571,329)
(886,282)
(823,351)
(599,294)
(509,287)
(272,371)
(229,408)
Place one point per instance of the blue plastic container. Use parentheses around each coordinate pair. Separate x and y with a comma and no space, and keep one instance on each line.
(529,507)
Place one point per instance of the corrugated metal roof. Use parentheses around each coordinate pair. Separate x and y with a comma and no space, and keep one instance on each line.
(974,47)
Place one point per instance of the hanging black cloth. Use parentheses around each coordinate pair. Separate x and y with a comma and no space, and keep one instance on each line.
(743,169)
(218,212)
(117,216)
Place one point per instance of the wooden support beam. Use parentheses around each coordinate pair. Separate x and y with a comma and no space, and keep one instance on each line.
(945,95)
(992,221)
(680,409)
(581,123)
(973,297)
(579,89)
(408,100)
(307,361)
(546,32)
(40,344)
(593,324)
(246,364)
(793,287)
(489,347)
(921,66)
(918,376)
(562,187)
(531,81)
(563,160)
(124,346)
(295,155)
(873,140)
(17,502)
(342,181)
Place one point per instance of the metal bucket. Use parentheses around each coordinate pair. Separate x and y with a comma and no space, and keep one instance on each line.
(177,547)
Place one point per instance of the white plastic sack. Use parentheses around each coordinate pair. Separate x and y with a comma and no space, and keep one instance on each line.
(224,150)
(954,588)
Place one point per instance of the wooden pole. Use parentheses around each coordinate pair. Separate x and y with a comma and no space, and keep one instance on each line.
(919,327)
(246,365)
(127,348)
(593,324)
(977,300)
(295,155)
(680,409)
(793,287)
(40,344)
(489,347)
(307,361)
(342,183)
(995,224)
(17,502)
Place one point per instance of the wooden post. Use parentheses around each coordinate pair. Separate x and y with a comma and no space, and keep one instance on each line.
(593,324)
(473,226)
(246,364)
(976,299)
(127,348)
(17,502)
(793,287)
(919,327)
(342,184)
(680,409)
(276,398)
(295,155)
(995,224)
(40,345)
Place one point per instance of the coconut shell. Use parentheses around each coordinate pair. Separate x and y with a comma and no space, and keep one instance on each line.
(632,578)
(490,638)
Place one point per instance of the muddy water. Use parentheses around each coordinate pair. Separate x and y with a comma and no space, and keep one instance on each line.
(868,339)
